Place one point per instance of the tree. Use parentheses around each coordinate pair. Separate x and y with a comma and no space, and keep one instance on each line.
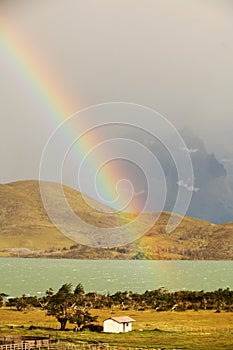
(1,301)
(3,297)
(46,298)
(67,305)
(79,290)
(25,302)
(62,305)
(82,317)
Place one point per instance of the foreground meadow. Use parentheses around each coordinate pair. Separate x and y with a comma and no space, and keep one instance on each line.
(202,330)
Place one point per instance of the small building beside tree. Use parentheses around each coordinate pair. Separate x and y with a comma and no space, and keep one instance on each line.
(120,324)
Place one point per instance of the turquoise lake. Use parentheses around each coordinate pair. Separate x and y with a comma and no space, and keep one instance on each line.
(34,276)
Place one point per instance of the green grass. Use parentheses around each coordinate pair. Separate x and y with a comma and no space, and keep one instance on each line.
(203,330)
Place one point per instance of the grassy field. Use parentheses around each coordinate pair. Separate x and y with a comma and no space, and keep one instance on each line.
(203,330)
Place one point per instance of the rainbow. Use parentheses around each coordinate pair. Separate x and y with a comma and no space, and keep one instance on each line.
(38,81)
(30,72)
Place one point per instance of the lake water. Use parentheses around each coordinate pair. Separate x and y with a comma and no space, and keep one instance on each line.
(35,276)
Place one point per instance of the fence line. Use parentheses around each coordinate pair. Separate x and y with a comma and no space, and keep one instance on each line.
(28,345)
(66,346)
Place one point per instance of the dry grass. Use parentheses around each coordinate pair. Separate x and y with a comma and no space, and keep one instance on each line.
(203,330)
(25,224)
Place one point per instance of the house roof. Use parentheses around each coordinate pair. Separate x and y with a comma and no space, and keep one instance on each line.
(122,319)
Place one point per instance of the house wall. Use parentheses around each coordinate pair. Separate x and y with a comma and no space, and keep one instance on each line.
(111,326)
(128,327)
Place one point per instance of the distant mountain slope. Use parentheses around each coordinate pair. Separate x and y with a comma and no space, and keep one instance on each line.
(23,220)
(26,230)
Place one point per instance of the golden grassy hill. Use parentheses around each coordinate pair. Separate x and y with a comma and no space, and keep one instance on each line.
(24,224)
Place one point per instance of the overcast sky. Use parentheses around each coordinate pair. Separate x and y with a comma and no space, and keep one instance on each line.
(175,56)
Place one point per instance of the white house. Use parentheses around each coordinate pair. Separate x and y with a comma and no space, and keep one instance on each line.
(121,324)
